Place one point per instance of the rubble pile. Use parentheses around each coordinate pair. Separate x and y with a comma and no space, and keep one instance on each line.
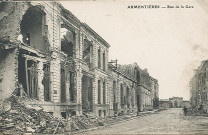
(85,122)
(18,118)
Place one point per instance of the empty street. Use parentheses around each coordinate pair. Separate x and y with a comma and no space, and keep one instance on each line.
(171,121)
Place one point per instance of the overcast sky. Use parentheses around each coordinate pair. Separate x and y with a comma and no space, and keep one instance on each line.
(169,42)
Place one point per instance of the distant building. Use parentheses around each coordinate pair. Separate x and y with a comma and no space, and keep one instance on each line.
(176,102)
(164,104)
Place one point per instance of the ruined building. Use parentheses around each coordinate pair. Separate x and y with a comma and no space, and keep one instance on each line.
(148,92)
(198,87)
(123,83)
(61,64)
(129,90)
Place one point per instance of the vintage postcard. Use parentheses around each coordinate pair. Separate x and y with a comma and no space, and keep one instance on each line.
(104,67)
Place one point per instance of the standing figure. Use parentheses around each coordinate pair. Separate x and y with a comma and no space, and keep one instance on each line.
(185,110)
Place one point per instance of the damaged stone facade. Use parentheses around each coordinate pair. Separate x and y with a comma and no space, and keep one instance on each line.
(149,89)
(122,84)
(61,64)
(198,87)
(129,91)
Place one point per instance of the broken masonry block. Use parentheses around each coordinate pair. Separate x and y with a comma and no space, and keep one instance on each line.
(29,129)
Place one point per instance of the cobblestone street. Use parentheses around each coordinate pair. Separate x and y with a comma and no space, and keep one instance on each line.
(170,121)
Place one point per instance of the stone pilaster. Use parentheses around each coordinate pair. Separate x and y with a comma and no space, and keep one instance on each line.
(78,44)
(56,30)
(55,69)
(118,94)
(79,89)
(101,90)
(40,78)
(107,90)
(79,85)
(106,60)
(81,42)
(67,87)
(95,90)
(95,54)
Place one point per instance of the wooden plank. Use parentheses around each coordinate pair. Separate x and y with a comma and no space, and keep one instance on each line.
(36,81)
(30,83)
(32,78)
(26,77)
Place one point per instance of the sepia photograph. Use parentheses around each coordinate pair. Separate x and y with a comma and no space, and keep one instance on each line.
(103,67)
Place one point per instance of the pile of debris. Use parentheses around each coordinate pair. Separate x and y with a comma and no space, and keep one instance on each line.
(85,122)
(19,118)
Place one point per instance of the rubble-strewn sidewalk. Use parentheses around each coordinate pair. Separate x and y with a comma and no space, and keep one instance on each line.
(119,119)
(197,112)
(19,118)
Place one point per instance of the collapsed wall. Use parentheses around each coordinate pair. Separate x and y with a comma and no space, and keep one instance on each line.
(8,72)
(10,17)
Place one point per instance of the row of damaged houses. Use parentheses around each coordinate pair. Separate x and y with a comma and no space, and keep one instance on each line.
(198,87)
(49,56)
